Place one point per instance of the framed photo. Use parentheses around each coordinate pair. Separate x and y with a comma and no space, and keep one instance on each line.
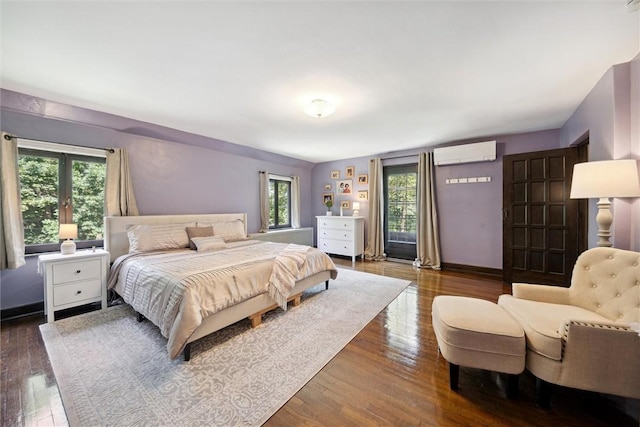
(335,174)
(344,186)
(363,179)
(363,195)
(350,172)
(345,204)
(327,187)
(326,197)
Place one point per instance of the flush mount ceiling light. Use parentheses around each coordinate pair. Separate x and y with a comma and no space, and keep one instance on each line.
(319,108)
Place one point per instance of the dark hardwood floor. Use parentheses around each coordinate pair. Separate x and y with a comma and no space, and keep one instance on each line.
(389,374)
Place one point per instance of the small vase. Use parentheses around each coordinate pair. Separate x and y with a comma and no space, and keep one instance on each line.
(329,213)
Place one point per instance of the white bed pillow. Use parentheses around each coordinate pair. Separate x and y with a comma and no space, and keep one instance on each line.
(140,238)
(209,243)
(230,231)
(157,237)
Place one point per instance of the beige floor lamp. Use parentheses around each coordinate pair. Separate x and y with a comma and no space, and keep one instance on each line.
(603,180)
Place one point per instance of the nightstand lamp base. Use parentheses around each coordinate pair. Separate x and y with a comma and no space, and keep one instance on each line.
(68,247)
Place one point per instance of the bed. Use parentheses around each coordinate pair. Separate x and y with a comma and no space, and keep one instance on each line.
(244,260)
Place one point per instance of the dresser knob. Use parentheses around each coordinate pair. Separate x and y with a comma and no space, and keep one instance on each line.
(78,292)
(77,271)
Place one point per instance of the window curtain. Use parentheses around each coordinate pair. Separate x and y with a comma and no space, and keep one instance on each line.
(295,202)
(264,201)
(427,235)
(119,197)
(375,228)
(11,225)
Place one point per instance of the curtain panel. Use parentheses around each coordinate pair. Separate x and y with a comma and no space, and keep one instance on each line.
(295,202)
(119,197)
(375,227)
(11,224)
(264,201)
(427,233)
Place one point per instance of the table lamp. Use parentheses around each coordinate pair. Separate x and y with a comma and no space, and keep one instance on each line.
(356,208)
(69,232)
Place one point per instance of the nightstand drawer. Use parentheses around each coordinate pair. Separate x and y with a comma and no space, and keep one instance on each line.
(74,292)
(73,271)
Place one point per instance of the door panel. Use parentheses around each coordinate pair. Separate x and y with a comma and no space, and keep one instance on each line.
(540,231)
(400,192)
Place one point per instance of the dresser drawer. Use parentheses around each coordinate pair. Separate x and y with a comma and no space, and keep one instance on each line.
(335,246)
(338,224)
(75,292)
(73,271)
(330,233)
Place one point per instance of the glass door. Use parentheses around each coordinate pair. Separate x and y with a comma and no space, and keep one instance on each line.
(400,195)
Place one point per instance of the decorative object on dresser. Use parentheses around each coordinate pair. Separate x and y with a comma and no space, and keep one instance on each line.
(68,232)
(73,280)
(238,376)
(341,235)
(327,200)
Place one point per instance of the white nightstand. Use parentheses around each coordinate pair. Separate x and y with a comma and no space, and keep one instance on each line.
(72,280)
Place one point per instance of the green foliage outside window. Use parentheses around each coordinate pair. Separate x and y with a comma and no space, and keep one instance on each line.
(88,199)
(402,206)
(279,207)
(39,192)
(44,192)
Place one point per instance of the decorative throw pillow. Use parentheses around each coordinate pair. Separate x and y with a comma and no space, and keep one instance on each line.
(198,232)
(230,231)
(170,236)
(209,243)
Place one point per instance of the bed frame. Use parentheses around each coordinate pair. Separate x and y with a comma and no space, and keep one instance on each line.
(116,243)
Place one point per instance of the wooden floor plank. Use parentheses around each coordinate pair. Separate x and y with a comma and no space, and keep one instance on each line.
(389,374)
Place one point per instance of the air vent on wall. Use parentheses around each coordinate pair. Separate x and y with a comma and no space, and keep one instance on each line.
(468,153)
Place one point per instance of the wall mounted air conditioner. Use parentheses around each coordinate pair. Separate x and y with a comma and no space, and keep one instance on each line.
(467,153)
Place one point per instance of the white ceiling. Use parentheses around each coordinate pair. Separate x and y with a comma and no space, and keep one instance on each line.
(403,74)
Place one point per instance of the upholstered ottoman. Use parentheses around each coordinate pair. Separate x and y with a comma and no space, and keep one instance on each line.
(478,334)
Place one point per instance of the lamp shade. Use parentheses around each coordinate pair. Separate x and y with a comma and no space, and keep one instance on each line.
(68,231)
(608,178)
(356,205)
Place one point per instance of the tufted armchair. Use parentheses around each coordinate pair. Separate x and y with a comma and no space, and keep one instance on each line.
(580,336)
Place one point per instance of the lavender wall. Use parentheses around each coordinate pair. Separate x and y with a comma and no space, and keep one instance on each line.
(470,215)
(634,125)
(605,116)
(199,175)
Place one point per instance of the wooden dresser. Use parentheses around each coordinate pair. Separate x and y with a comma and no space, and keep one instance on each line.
(341,235)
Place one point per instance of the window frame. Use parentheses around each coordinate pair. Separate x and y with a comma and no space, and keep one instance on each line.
(276,179)
(65,191)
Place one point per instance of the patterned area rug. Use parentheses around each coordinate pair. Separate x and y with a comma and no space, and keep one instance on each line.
(112,370)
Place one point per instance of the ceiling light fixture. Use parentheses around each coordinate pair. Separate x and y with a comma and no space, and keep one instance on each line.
(319,108)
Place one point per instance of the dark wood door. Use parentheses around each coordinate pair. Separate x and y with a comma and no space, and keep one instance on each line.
(541,226)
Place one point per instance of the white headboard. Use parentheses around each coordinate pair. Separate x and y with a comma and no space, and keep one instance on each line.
(115,227)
